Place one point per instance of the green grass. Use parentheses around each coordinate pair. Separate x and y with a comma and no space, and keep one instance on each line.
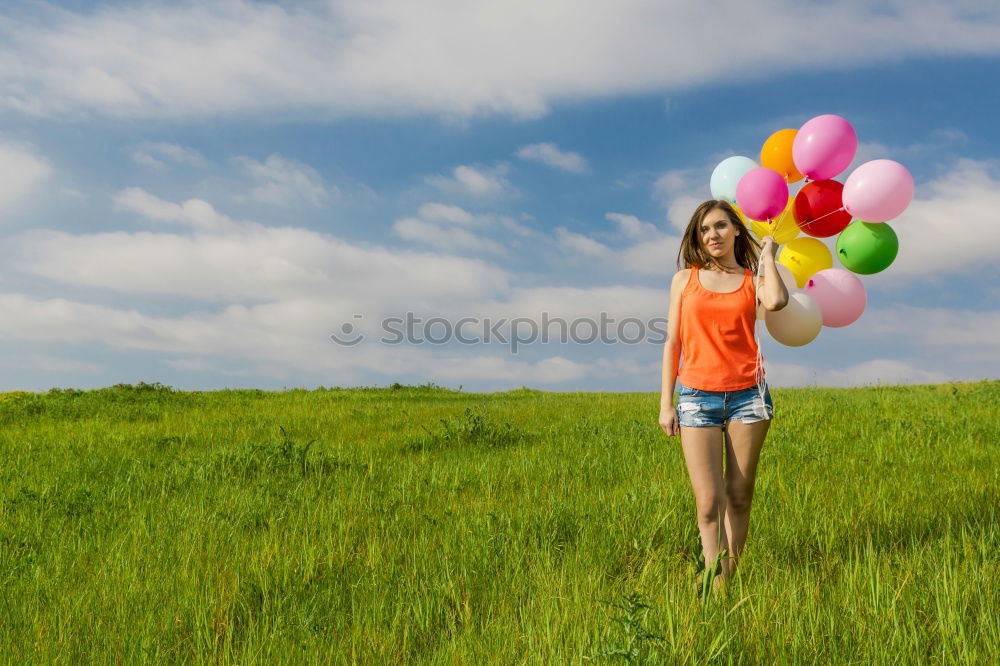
(421,525)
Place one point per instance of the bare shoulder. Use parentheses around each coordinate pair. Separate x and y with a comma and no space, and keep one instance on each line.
(680,278)
(677,284)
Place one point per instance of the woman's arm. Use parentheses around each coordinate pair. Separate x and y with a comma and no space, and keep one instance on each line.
(771,291)
(672,354)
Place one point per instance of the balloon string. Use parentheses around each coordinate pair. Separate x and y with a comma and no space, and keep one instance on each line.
(772,225)
(759,361)
(833,212)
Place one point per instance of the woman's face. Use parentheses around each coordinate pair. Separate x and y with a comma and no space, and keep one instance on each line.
(717,233)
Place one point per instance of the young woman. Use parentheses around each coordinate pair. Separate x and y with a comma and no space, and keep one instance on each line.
(724,405)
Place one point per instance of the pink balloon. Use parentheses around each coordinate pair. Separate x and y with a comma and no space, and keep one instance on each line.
(878,191)
(824,146)
(840,295)
(762,194)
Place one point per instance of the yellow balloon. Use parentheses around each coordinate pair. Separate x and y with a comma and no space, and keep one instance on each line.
(746,221)
(784,229)
(805,257)
(739,211)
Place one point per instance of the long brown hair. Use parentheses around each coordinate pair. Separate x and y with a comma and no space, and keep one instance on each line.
(691,252)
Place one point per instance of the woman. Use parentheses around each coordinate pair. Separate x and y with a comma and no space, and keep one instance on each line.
(723,400)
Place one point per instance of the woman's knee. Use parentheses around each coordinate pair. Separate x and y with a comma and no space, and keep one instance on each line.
(710,508)
(739,497)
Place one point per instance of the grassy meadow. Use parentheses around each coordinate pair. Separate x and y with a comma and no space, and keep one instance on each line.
(423,525)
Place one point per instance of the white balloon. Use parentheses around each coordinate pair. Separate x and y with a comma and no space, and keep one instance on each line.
(726,176)
(796,324)
(790,284)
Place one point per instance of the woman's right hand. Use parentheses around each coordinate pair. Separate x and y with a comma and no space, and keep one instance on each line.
(768,246)
(668,421)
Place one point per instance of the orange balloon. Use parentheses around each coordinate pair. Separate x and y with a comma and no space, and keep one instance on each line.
(777,154)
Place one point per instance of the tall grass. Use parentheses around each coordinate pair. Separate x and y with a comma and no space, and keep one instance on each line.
(421,525)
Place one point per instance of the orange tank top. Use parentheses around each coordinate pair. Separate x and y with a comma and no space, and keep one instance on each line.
(718,349)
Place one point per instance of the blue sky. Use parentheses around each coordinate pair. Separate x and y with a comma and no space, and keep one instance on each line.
(201,193)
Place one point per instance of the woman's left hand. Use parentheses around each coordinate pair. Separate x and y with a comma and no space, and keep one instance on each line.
(768,246)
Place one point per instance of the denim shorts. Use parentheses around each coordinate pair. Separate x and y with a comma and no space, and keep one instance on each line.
(696,407)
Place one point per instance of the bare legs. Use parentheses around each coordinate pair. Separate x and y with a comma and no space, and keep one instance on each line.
(722,499)
(703,455)
(744,442)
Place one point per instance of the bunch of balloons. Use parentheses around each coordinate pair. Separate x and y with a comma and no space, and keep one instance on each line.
(855,211)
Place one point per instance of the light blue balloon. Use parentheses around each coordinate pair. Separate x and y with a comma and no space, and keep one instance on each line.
(727,175)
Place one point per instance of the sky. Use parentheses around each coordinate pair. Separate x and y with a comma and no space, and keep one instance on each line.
(237,194)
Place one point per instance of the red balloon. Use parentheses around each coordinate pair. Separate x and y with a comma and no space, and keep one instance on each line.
(819,210)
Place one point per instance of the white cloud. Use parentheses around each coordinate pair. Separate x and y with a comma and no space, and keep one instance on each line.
(651,252)
(867,151)
(285,182)
(653,257)
(192,364)
(227,260)
(885,371)
(312,284)
(20,170)
(452,228)
(551,370)
(674,191)
(195,213)
(875,371)
(429,233)
(550,154)
(55,364)
(289,339)
(578,244)
(254,264)
(156,155)
(161,59)
(475,181)
(619,301)
(516,227)
(437,212)
(966,335)
(939,142)
(71,193)
(632,227)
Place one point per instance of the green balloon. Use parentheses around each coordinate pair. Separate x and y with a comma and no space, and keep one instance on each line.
(867,247)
